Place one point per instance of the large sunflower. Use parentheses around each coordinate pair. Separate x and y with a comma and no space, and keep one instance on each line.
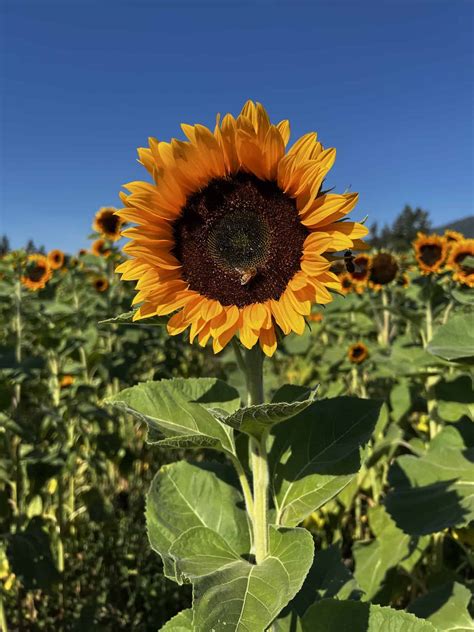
(430,252)
(461,271)
(232,234)
(37,272)
(107,223)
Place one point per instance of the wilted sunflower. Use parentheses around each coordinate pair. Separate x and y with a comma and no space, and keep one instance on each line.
(361,263)
(430,252)
(232,233)
(56,259)
(383,270)
(107,223)
(462,272)
(453,236)
(357,353)
(37,273)
(101,284)
(100,248)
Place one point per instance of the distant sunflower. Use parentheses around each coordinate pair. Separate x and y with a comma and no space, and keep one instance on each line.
(37,273)
(82,252)
(56,259)
(430,252)
(383,270)
(461,271)
(453,236)
(357,353)
(66,381)
(347,283)
(101,284)
(315,317)
(362,263)
(100,248)
(403,280)
(232,234)
(107,223)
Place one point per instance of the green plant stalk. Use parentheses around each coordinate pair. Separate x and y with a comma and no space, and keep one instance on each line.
(258,454)
(385,338)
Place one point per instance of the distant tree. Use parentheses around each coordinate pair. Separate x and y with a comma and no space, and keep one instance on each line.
(403,231)
(4,245)
(31,247)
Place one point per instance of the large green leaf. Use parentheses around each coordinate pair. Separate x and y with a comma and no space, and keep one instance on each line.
(177,409)
(331,615)
(435,491)
(246,597)
(455,397)
(188,507)
(389,548)
(182,622)
(316,454)
(446,607)
(257,420)
(455,339)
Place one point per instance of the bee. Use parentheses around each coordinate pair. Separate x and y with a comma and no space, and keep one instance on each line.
(246,275)
(349,261)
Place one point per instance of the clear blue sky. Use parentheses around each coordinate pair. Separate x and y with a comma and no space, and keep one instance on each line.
(388,83)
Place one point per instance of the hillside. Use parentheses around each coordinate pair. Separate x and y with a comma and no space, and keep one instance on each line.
(464,226)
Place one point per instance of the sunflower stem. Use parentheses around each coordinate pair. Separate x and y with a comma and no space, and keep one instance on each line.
(258,453)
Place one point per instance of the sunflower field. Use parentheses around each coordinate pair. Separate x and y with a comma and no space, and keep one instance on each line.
(366,362)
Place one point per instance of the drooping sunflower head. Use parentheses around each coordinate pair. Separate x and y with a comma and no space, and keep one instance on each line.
(100,248)
(430,252)
(232,234)
(37,272)
(56,259)
(107,223)
(357,353)
(383,270)
(361,263)
(458,262)
(453,236)
(101,284)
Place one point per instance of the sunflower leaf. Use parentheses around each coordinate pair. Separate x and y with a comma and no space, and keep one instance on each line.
(177,410)
(332,615)
(317,453)
(259,419)
(248,596)
(192,535)
(455,339)
(182,622)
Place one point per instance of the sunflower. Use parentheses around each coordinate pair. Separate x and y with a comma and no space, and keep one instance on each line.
(361,263)
(37,273)
(82,252)
(430,252)
(100,248)
(101,284)
(66,380)
(383,270)
(232,234)
(462,272)
(357,353)
(403,280)
(107,223)
(56,259)
(453,236)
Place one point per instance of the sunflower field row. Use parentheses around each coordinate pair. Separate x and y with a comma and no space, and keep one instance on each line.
(74,553)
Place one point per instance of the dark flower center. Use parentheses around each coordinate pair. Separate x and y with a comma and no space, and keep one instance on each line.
(109,223)
(36,272)
(239,240)
(361,264)
(430,254)
(357,351)
(346,283)
(384,268)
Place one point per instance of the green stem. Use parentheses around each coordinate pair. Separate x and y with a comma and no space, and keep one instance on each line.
(386,319)
(244,483)
(258,453)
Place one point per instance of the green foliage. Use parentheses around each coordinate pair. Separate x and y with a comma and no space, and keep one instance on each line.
(455,339)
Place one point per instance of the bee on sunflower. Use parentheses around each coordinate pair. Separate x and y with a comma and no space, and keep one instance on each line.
(383,270)
(37,272)
(100,248)
(56,259)
(357,353)
(430,252)
(107,223)
(231,236)
(100,284)
(462,272)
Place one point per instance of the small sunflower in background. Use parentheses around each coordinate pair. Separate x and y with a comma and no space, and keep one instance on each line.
(107,223)
(462,272)
(100,248)
(56,259)
(357,353)
(453,236)
(66,381)
(37,273)
(82,252)
(362,263)
(101,284)
(383,270)
(347,283)
(232,235)
(403,280)
(430,252)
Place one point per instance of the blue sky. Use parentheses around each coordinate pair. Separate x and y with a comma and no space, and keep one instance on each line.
(388,83)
